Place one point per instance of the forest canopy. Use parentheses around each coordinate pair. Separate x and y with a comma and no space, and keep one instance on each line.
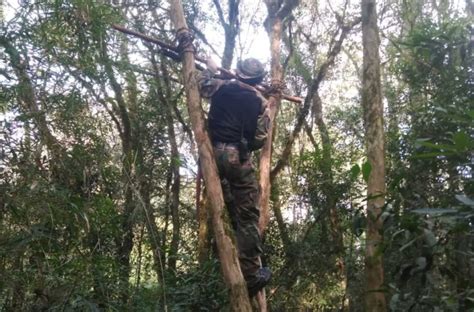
(367,190)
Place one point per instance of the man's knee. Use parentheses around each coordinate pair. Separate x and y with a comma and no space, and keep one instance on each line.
(248,239)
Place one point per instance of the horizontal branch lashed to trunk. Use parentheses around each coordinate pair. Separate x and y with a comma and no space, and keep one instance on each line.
(173,53)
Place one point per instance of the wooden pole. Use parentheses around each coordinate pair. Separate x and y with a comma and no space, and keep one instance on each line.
(227,251)
(374,137)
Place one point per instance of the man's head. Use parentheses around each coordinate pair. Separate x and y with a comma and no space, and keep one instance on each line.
(250,71)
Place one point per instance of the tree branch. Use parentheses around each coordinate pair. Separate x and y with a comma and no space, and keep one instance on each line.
(321,74)
(287,7)
(220,13)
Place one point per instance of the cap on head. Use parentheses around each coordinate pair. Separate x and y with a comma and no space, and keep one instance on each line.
(250,69)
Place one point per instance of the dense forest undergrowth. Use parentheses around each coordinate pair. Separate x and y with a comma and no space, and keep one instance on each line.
(98,157)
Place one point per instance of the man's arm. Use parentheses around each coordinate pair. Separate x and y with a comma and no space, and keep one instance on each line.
(207,84)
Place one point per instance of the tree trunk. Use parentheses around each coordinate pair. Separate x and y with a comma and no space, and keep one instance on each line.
(277,11)
(239,299)
(328,186)
(374,133)
(276,72)
(124,240)
(175,187)
(470,15)
(176,178)
(285,237)
(203,232)
(18,295)
(266,153)
(153,234)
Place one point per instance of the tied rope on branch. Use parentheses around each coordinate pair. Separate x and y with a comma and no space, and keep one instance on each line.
(185,41)
(275,89)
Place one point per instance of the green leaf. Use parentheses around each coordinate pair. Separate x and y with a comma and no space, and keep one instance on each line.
(465,200)
(421,262)
(397,233)
(419,142)
(430,238)
(358,224)
(355,170)
(437,146)
(366,170)
(408,244)
(432,155)
(441,109)
(433,211)
(462,141)
(394,302)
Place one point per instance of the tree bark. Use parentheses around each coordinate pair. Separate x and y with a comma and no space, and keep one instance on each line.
(266,153)
(124,240)
(203,232)
(470,15)
(328,186)
(176,178)
(285,237)
(239,299)
(374,133)
(153,234)
(277,11)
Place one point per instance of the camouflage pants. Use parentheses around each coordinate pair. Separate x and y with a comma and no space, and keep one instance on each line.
(240,188)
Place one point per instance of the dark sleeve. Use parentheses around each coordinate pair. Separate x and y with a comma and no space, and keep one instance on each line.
(208,85)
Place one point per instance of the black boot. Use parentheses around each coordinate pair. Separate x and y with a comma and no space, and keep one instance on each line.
(262,278)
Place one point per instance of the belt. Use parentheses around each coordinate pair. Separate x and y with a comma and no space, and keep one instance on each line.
(223,145)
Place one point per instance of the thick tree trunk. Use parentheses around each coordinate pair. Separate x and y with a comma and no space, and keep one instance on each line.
(277,11)
(203,232)
(374,133)
(239,299)
(276,72)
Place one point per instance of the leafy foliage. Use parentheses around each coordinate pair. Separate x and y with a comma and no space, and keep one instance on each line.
(88,118)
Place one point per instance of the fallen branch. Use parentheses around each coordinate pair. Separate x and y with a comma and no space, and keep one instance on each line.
(173,53)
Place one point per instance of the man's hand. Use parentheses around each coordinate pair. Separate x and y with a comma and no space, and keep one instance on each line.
(271,102)
(211,65)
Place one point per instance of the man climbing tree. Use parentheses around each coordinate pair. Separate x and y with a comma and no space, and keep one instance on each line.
(238,124)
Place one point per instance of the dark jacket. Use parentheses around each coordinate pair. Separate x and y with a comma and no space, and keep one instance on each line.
(234,109)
